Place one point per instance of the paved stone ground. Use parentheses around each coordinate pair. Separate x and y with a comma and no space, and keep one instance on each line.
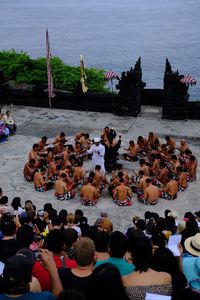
(34,122)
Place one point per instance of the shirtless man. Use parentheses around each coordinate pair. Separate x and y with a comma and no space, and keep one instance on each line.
(29,170)
(122,194)
(155,164)
(43,143)
(33,154)
(62,192)
(40,183)
(175,162)
(163,176)
(182,179)
(171,189)
(59,138)
(79,173)
(192,168)
(105,134)
(89,194)
(170,142)
(142,181)
(144,168)
(183,146)
(152,137)
(53,169)
(85,141)
(133,151)
(143,144)
(151,193)
(100,178)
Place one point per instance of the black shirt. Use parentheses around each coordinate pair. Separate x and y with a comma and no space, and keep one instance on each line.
(9,248)
(71,281)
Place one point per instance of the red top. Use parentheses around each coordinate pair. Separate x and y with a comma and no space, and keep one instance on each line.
(43,275)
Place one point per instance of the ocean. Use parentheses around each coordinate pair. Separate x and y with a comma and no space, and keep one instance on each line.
(111,34)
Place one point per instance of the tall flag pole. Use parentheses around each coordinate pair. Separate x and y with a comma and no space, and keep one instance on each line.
(83,79)
(49,74)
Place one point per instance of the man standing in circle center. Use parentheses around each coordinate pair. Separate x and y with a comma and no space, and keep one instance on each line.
(98,151)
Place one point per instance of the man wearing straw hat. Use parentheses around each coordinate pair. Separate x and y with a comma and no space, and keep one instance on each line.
(191,265)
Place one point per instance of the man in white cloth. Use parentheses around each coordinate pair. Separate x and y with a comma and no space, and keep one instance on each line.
(98,151)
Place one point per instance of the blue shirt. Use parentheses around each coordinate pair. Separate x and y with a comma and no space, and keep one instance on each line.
(30,296)
(191,269)
(120,263)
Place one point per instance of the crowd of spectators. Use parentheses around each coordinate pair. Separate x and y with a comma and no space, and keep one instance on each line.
(46,254)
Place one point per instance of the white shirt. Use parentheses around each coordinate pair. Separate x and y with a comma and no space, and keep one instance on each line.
(8,120)
(98,153)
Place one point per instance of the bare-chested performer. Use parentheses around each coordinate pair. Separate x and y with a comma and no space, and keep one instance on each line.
(155,159)
(183,146)
(171,189)
(33,154)
(152,137)
(29,170)
(170,142)
(100,178)
(54,167)
(175,162)
(60,137)
(163,175)
(133,151)
(79,173)
(43,143)
(144,168)
(141,185)
(192,168)
(143,145)
(62,192)
(151,193)
(182,179)
(41,184)
(89,194)
(85,141)
(122,194)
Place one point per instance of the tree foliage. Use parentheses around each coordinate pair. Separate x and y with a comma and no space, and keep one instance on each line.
(20,68)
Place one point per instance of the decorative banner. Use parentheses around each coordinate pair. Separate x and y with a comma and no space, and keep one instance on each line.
(83,79)
(49,74)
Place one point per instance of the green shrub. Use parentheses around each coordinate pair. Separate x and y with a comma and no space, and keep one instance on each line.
(20,68)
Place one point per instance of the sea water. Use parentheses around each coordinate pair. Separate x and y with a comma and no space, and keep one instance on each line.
(111,34)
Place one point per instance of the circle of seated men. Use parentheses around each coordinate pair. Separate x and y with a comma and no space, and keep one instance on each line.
(164,168)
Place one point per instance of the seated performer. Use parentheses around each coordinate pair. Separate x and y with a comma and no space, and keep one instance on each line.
(40,183)
(183,146)
(133,151)
(182,179)
(89,194)
(79,173)
(29,170)
(152,137)
(62,191)
(54,167)
(122,194)
(170,191)
(151,193)
(100,178)
(59,138)
(170,142)
(192,166)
